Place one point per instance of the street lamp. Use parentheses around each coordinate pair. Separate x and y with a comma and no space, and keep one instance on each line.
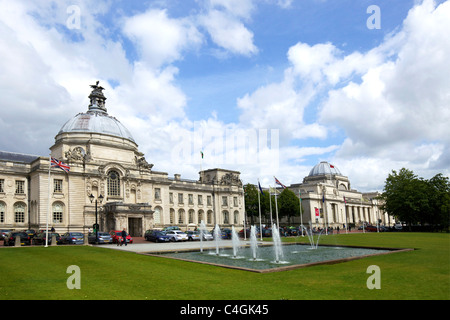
(100,198)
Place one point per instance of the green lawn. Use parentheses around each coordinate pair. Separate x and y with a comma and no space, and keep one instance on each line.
(40,273)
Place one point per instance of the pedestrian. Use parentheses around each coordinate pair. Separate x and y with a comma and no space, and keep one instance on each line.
(124,237)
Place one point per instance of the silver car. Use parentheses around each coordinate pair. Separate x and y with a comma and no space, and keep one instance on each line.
(177,235)
(207,236)
(103,237)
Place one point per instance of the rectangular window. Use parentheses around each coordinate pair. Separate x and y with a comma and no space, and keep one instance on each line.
(191,199)
(20,187)
(57,217)
(57,185)
(208,201)
(224,201)
(2,185)
(157,193)
(200,200)
(19,217)
(171,197)
(180,198)
(235,201)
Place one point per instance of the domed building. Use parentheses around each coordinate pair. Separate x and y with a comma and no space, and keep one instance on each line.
(108,172)
(329,201)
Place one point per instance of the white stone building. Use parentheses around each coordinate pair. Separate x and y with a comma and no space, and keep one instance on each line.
(105,162)
(328,200)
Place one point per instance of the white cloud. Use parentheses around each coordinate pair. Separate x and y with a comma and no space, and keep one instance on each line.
(228,32)
(161,39)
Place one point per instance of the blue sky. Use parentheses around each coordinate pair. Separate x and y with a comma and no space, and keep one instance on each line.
(184,75)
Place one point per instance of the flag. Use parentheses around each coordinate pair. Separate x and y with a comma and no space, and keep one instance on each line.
(331,166)
(345,200)
(201,153)
(279,183)
(260,189)
(59,164)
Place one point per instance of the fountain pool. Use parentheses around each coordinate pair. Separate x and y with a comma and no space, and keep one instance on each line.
(294,256)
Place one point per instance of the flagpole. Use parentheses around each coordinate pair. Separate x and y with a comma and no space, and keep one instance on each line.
(270,198)
(301,215)
(259,206)
(276,208)
(48,204)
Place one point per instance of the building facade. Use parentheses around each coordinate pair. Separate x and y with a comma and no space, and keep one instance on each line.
(108,172)
(328,200)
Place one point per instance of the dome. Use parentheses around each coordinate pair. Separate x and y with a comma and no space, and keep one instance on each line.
(324,168)
(96,119)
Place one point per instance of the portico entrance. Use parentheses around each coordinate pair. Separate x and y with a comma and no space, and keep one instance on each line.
(135,227)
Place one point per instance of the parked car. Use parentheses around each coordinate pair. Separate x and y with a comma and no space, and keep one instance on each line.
(31,233)
(103,237)
(117,236)
(156,236)
(10,238)
(171,228)
(177,235)
(3,233)
(72,238)
(193,235)
(39,238)
(207,236)
(371,228)
(226,233)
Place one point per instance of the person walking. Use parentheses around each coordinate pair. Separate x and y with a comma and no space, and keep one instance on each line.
(124,237)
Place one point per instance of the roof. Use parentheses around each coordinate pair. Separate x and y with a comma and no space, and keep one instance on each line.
(323,168)
(17,157)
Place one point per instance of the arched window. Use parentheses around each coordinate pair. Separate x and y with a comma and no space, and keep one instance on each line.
(225,217)
(113,183)
(157,215)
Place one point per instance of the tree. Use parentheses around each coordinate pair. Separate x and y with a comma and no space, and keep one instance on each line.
(289,204)
(251,201)
(415,200)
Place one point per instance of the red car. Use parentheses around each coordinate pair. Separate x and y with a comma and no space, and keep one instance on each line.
(117,236)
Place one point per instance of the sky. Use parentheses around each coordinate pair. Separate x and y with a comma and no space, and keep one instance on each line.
(265,87)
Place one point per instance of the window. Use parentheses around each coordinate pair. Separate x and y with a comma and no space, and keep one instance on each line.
(19,213)
(180,198)
(209,217)
(191,199)
(200,200)
(191,216)
(225,217)
(57,185)
(236,217)
(208,201)
(235,201)
(224,201)
(2,185)
(172,216)
(157,193)
(2,212)
(57,213)
(20,187)
(171,197)
(113,184)
(181,216)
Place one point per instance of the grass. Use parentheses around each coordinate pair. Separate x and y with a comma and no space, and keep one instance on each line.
(40,273)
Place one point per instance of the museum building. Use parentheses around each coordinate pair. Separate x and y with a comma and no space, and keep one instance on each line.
(329,201)
(109,182)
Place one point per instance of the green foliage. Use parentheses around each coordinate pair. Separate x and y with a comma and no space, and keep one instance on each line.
(287,201)
(415,200)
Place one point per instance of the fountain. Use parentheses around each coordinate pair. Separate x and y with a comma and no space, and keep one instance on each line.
(217,238)
(236,242)
(277,243)
(202,232)
(253,242)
